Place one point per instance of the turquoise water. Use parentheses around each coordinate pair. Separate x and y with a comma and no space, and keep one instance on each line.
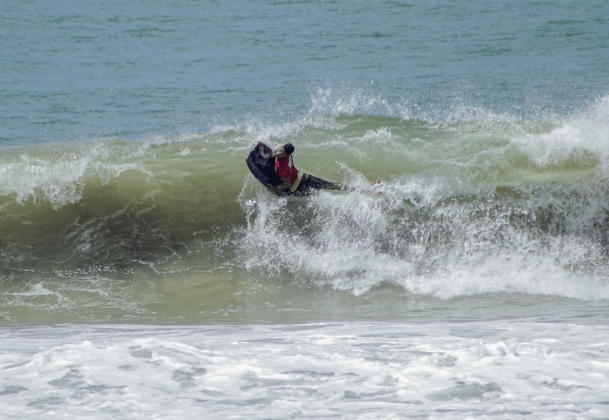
(134,243)
(81,70)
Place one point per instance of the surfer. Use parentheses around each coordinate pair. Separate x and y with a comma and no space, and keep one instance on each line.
(277,172)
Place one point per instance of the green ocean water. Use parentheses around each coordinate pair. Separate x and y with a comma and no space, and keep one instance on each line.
(145,273)
(175,229)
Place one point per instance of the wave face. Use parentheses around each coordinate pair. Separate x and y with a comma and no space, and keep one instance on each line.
(169,228)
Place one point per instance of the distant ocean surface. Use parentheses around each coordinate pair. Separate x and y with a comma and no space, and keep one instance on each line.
(146,274)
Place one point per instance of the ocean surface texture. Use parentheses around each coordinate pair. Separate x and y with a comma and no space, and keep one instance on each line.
(146,274)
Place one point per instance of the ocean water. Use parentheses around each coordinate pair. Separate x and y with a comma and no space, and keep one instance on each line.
(145,273)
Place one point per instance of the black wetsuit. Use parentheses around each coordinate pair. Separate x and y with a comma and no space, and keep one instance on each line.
(308,184)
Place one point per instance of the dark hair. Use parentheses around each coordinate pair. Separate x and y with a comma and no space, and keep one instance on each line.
(288,148)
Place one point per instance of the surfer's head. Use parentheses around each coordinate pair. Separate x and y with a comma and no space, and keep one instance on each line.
(289,148)
(285,151)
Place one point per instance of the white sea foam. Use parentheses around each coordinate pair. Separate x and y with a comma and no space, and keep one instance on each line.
(306,370)
(58,173)
(572,138)
(356,241)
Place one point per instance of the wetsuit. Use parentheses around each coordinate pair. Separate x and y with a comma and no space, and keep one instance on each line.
(302,184)
(309,183)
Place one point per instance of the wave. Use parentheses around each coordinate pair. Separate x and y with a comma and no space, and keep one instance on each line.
(489,205)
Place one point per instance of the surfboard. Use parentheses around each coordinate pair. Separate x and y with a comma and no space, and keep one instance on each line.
(262,166)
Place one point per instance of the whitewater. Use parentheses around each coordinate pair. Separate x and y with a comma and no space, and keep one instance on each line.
(145,273)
